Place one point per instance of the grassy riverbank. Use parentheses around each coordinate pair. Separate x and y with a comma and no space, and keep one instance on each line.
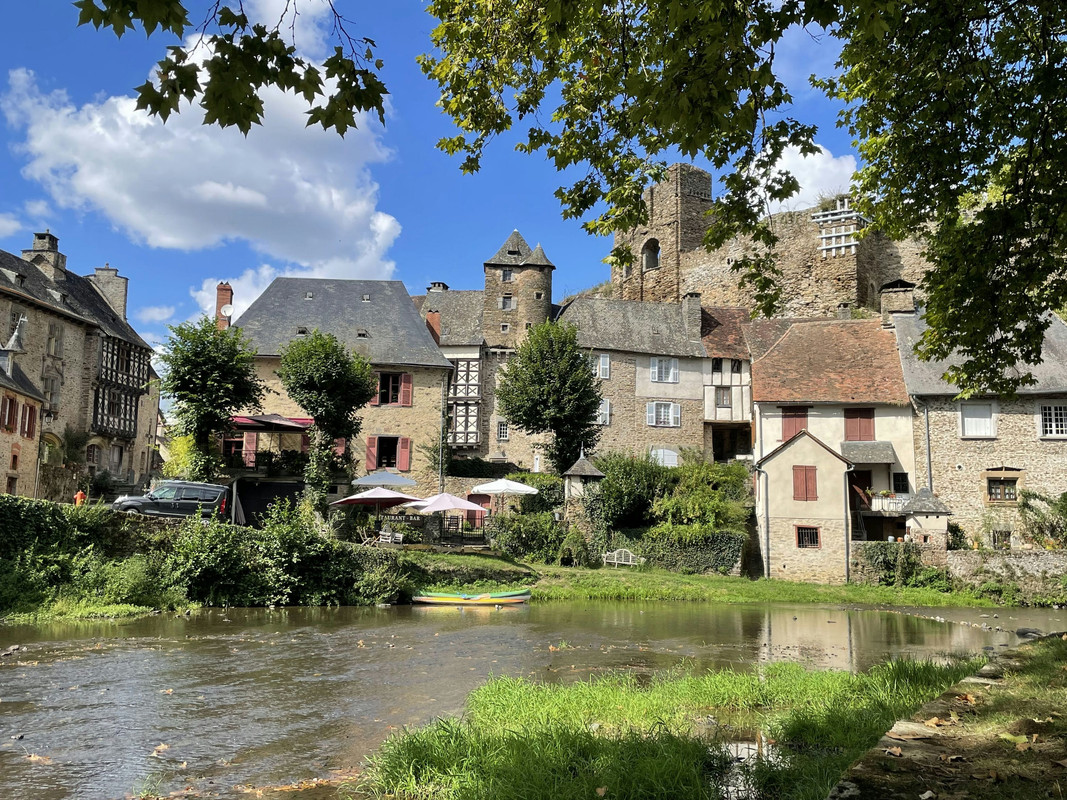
(618,738)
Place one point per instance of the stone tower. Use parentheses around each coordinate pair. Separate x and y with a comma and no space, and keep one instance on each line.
(518,292)
(677,210)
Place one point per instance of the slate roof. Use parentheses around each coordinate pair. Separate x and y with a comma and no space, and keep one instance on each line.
(723,332)
(516,252)
(395,333)
(831,361)
(869,452)
(628,325)
(925,377)
(461,315)
(583,468)
(82,302)
(925,502)
(18,381)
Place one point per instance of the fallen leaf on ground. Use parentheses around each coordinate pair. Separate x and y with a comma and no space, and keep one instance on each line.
(1022,746)
(927,795)
(33,758)
(894,751)
(935,722)
(905,737)
(1013,739)
(969,699)
(601,791)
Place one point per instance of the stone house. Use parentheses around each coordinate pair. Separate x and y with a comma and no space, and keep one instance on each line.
(20,411)
(84,359)
(839,382)
(402,424)
(978,454)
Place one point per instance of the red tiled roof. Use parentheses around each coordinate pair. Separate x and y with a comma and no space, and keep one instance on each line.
(722,330)
(833,361)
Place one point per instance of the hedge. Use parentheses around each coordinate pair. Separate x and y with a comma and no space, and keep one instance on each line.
(691,548)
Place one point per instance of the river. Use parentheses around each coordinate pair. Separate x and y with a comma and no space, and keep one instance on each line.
(252,697)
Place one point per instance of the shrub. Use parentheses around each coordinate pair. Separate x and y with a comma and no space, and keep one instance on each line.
(707,494)
(894,563)
(549,491)
(692,548)
(630,487)
(533,536)
(574,551)
(932,578)
(1044,518)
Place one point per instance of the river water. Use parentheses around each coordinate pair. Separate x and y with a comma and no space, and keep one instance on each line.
(225,699)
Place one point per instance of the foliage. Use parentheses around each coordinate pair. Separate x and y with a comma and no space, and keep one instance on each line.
(630,488)
(532,536)
(957,538)
(474,468)
(692,548)
(707,494)
(210,375)
(1044,518)
(894,563)
(574,551)
(101,483)
(74,443)
(548,387)
(242,58)
(549,488)
(331,384)
(179,464)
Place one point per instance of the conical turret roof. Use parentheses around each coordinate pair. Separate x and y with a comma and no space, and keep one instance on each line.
(515,252)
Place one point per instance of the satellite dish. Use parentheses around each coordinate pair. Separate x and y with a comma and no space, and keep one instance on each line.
(226,310)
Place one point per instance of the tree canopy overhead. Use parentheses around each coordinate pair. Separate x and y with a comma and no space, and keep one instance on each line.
(957,107)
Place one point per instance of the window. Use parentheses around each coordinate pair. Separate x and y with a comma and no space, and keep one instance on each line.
(650,255)
(735,366)
(301,331)
(663,370)
(664,457)
(807,537)
(365,298)
(1054,421)
(1002,490)
(603,414)
(92,454)
(794,420)
(55,339)
(504,327)
(394,388)
(9,408)
(539,295)
(900,483)
(722,396)
(12,485)
(388,451)
(506,303)
(51,391)
(604,366)
(716,365)
(805,486)
(507,276)
(309,295)
(859,424)
(977,421)
(663,415)
(502,431)
(28,424)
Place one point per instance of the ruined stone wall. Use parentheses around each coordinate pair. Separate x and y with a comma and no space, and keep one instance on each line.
(959,464)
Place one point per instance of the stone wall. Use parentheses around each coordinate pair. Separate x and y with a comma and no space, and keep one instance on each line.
(527,309)
(824,564)
(958,463)
(1038,573)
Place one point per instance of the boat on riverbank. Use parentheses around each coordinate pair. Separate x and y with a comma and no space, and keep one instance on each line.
(485,599)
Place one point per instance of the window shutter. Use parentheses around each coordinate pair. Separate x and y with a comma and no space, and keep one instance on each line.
(676,415)
(305,442)
(372,454)
(650,413)
(248,449)
(22,420)
(852,428)
(403,454)
(377,388)
(33,422)
(339,446)
(800,486)
(674,371)
(405,389)
(810,484)
(607,412)
(500,303)
(653,369)
(867,427)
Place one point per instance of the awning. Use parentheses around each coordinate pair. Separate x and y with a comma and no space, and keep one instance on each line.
(271,423)
(869,452)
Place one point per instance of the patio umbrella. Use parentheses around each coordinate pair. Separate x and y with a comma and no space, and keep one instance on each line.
(383,478)
(446,502)
(503,486)
(379,498)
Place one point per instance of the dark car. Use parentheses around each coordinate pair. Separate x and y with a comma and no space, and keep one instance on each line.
(178,499)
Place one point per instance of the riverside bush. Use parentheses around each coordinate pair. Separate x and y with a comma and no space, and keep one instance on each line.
(549,491)
(692,548)
(630,487)
(894,563)
(534,536)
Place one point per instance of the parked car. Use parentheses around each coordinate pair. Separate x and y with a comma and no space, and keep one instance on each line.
(178,499)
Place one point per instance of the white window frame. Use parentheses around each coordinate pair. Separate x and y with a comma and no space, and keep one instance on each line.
(664,456)
(1052,406)
(653,414)
(502,430)
(604,367)
(727,392)
(655,371)
(961,424)
(603,414)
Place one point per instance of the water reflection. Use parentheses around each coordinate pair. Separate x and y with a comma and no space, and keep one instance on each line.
(258,696)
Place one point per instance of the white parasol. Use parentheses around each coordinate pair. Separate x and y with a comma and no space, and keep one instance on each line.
(502,486)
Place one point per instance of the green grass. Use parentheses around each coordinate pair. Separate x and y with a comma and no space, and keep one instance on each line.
(552,742)
(66,609)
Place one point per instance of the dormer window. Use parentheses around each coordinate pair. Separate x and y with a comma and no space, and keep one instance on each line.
(366,298)
(301,331)
(309,295)
(362,334)
(507,275)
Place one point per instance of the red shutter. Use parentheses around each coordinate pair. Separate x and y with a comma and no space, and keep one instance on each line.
(405,389)
(32,428)
(867,426)
(812,488)
(794,420)
(13,414)
(859,424)
(339,446)
(305,442)
(377,388)
(248,449)
(4,403)
(23,420)
(403,454)
(372,454)
(799,484)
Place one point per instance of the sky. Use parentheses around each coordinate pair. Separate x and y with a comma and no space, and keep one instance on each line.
(177,207)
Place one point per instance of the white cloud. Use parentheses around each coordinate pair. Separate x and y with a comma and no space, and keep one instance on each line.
(819,175)
(301,197)
(38,209)
(155,313)
(9,225)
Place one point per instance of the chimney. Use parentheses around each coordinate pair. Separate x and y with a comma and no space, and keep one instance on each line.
(223,300)
(897,297)
(46,256)
(691,315)
(433,324)
(112,286)
(437,286)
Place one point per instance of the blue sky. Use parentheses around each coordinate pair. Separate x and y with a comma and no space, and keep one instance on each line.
(178,207)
